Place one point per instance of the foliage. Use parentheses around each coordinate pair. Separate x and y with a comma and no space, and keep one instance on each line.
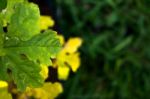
(24,50)
(46,22)
(70,60)
(47,91)
(116,51)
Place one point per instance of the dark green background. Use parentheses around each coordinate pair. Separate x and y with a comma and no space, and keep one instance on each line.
(116,50)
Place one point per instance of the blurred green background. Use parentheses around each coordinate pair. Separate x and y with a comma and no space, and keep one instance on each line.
(116,50)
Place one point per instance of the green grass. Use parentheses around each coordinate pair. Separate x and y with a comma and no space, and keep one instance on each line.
(116,49)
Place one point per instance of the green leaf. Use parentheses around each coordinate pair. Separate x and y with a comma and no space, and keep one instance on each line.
(25,73)
(1,34)
(39,48)
(10,9)
(3,4)
(1,38)
(23,48)
(24,58)
(24,22)
(3,69)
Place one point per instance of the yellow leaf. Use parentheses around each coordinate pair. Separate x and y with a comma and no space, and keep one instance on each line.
(47,91)
(44,72)
(46,22)
(68,57)
(3,84)
(61,39)
(73,44)
(53,89)
(63,72)
(69,60)
(73,61)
